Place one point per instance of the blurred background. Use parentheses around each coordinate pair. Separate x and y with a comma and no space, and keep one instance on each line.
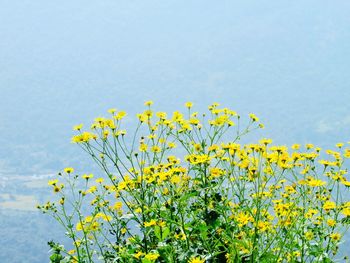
(65,62)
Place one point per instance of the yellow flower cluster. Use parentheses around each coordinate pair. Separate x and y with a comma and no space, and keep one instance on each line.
(179,180)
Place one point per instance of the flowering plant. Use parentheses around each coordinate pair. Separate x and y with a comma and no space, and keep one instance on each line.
(183,189)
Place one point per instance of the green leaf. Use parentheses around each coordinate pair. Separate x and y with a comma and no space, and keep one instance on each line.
(166,232)
(161,233)
(56,258)
(157,232)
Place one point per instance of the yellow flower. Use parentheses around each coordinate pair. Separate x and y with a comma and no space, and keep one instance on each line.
(175,179)
(138,210)
(296,253)
(152,256)
(161,223)
(189,105)
(339,145)
(325,162)
(122,185)
(120,115)
(92,189)
(253,117)
(142,117)
(171,145)
(104,216)
(78,127)
(148,103)
(243,219)
(53,182)
(177,116)
(138,255)
(346,183)
(335,236)
(346,211)
(105,134)
(197,147)
(150,223)
(309,235)
(165,191)
(120,132)
(316,182)
(68,170)
(87,176)
(118,205)
(88,219)
(216,172)
(99,180)
(155,149)
(112,111)
(296,146)
(309,146)
(84,137)
(79,226)
(331,222)
(152,136)
(56,189)
(329,205)
(347,153)
(161,115)
(94,226)
(265,141)
(198,159)
(196,260)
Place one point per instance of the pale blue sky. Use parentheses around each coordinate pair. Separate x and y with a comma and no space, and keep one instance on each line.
(67,59)
(63,62)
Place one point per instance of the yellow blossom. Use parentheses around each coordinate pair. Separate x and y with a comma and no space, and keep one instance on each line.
(309,146)
(152,256)
(99,180)
(171,145)
(196,260)
(331,222)
(253,117)
(87,176)
(68,170)
(92,189)
(112,111)
(296,146)
(335,236)
(118,205)
(150,223)
(122,185)
(53,182)
(139,254)
(155,149)
(329,205)
(339,145)
(189,105)
(346,211)
(265,141)
(316,182)
(309,235)
(78,127)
